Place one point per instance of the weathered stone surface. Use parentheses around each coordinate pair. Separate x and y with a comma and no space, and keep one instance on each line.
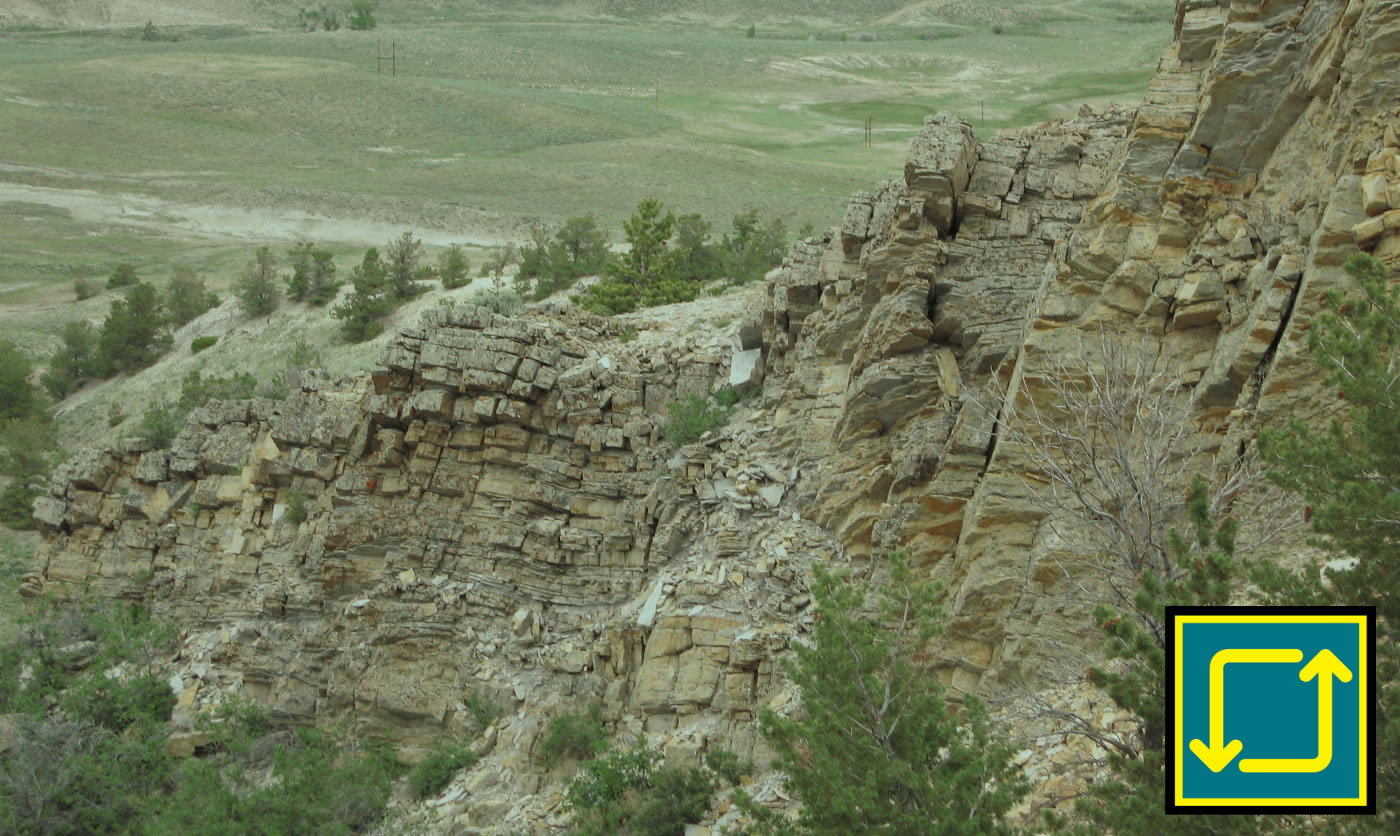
(940,161)
(496,513)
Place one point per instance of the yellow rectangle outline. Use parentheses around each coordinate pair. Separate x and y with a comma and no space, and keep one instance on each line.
(1362,676)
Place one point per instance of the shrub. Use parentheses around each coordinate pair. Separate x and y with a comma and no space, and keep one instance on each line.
(160,423)
(628,335)
(692,418)
(436,770)
(115,705)
(115,414)
(296,507)
(123,275)
(361,17)
(62,776)
(198,344)
(623,792)
(503,301)
(483,711)
(601,782)
(727,765)
(83,289)
(575,735)
(729,396)
(678,796)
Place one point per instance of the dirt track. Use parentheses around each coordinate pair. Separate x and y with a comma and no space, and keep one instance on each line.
(225,223)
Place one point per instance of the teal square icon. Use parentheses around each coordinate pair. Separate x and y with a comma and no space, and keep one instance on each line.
(1271,709)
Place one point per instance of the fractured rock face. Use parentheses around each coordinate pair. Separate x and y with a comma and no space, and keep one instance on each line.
(495,512)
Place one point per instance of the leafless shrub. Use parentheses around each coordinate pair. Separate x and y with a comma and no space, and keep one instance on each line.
(1109,435)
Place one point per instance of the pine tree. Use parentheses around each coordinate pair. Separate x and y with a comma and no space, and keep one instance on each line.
(402,257)
(580,247)
(132,335)
(371,300)
(639,273)
(299,281)
(697,258)
(74,361)
(186,297)
(313,277)
(1349,474)
(18,399)
(257,290)
(454,267)
(877,748)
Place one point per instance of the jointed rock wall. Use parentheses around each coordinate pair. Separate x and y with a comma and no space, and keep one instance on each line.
(496,511)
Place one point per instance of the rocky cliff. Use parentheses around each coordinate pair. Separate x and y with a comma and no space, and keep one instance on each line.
(496,512)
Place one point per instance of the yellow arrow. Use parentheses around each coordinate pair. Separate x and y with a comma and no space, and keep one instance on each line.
(1323,666)
(1217,755)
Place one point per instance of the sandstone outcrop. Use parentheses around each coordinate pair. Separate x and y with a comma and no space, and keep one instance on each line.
(495,511)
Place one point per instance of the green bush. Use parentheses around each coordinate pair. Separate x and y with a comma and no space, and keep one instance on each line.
(483,711)
(160,424)
(436,771)
(74,773)
(575,735)
(692,418)
(123,275)
(296,507)
(729,396)
(628,335)
(623,792)
(62,776)
(678,796)
(601,782)
(727,765)
(198,344)
(116,705)
(83,289)
(361,17)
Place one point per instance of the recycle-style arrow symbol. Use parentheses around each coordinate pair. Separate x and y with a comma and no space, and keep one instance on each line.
(1218,755)
(1323,666)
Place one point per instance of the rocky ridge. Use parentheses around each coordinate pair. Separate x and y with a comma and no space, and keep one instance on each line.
(495,511)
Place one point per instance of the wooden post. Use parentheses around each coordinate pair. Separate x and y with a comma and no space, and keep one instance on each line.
(393,56)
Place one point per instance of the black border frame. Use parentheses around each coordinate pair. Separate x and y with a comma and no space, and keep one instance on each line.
(1174,809)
